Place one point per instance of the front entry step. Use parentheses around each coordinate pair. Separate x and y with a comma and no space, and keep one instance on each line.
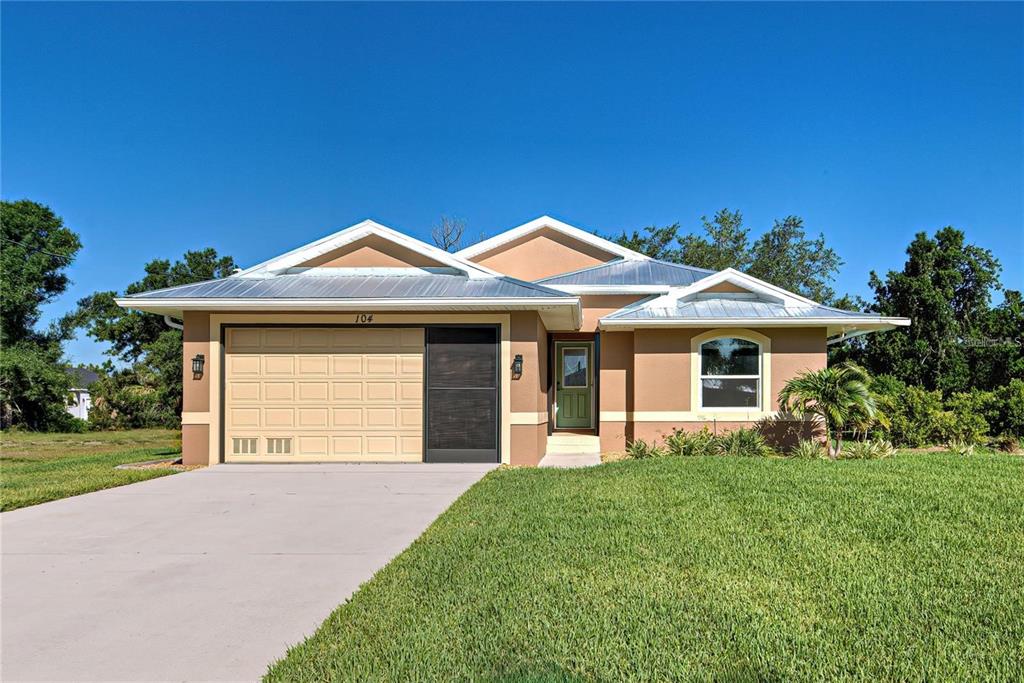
(573,444)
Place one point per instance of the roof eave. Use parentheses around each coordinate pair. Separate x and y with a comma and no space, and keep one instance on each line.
(611,289)
(840,324)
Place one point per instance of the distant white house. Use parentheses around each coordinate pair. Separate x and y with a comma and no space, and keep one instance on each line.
(80,400)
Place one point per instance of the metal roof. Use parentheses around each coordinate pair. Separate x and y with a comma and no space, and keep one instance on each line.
(299,286)
(723,307)
(631,272)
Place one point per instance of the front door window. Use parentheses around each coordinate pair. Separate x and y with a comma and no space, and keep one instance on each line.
(574,368)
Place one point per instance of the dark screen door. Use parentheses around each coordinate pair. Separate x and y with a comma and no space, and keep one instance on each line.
(462,394)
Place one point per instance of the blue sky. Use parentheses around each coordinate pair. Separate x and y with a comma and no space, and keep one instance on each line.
(254,128)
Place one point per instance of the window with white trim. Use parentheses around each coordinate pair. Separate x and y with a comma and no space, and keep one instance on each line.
(730,373)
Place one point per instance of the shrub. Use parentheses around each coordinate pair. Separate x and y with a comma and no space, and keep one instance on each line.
(872,449)
(808,450)
(641,450)
(961,448)
(1007,418)
(914,414)
(690,444)
(76,425)
(959,426)
(745,443)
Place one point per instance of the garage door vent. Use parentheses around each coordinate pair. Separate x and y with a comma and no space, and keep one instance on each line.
(279,446)
(243,446)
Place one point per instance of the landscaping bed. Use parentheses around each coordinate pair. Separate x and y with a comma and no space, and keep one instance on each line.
(704,568)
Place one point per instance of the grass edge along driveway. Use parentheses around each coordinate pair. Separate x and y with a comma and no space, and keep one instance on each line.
(700,569)
(38,468)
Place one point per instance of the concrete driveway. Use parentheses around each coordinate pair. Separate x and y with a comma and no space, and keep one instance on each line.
(206,575)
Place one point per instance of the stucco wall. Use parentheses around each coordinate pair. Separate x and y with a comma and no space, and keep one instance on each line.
(646,383)
(372,252)
(541,254)
(529,391)
(596,306)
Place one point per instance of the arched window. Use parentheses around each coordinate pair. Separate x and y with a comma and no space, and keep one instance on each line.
(730,373)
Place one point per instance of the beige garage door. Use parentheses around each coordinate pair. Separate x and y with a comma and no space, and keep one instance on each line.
(344,394)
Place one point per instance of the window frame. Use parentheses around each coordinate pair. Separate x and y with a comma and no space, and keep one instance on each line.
(759,377)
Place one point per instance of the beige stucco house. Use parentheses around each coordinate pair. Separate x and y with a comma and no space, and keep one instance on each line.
(370,345)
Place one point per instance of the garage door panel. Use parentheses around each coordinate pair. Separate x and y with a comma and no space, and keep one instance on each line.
(278,338)
(313,365)
(348,364)
(244,417)
(244,365)
(314,338)
(312,446)
(381,417)
(312,391)
(347,446)
(382,391)
(347,391)
(279,391)
(278,417)
(245,391)
(381,365)
(278,365)
(382,446)
(324,393)
(348,417)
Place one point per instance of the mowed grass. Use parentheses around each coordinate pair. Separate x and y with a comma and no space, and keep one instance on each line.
(701,569)
(36,468)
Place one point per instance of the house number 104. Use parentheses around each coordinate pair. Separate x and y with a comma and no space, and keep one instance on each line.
(364,317)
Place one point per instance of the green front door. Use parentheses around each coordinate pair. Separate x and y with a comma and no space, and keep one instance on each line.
(574,384)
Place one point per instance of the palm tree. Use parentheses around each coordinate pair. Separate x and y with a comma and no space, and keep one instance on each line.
(839,395)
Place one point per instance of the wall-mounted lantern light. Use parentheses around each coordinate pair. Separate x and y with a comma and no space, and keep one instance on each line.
(197,365)
(517,365)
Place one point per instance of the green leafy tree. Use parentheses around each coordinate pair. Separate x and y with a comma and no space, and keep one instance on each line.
(35,252)
(658,243)
(998,354)
(945,288)
(787,258)
(725,244)
(839,395)
(783,256)
(149,392)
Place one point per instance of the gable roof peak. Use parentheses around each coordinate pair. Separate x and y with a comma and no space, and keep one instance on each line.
(365,228)
(547,221)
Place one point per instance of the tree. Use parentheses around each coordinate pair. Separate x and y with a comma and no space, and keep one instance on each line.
(655,242)
(945,288)
(838,395)
(144,341)
(787,258)
(727,244)
(783,256)
(35,251)
(998,355)
(447,234)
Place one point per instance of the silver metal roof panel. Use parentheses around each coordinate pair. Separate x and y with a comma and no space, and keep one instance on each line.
(299,286)
(631,273)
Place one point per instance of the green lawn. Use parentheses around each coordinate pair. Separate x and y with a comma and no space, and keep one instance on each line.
(36,468)
(701,569)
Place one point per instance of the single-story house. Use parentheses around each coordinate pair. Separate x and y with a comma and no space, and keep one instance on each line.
(80,398)
(370,345)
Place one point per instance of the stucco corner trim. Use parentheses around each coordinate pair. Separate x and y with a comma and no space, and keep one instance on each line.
(195,418)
